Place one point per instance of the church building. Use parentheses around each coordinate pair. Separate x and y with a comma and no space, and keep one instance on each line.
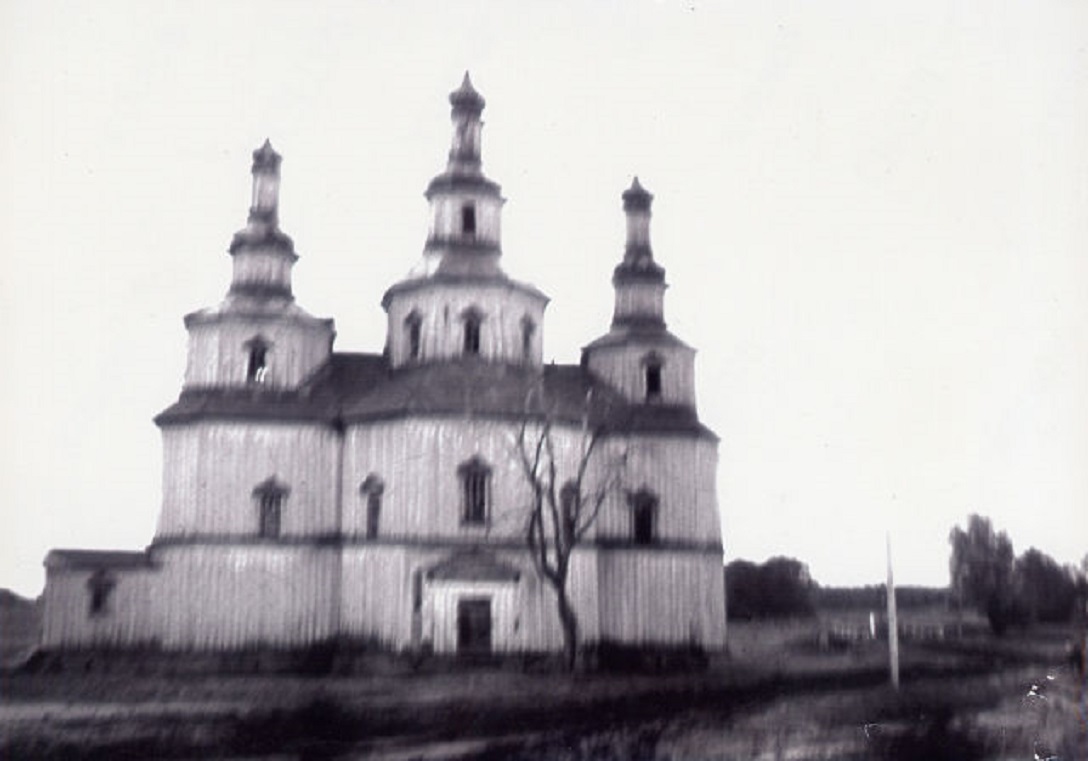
(311,495)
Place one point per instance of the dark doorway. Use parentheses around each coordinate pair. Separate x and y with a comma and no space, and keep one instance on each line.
(474,625)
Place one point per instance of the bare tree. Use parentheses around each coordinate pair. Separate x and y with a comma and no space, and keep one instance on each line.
(567,497)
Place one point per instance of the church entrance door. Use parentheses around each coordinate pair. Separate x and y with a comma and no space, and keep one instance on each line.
(474,625)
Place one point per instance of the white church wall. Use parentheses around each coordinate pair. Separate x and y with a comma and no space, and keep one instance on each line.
(639,299)
(123,621)
(418,461)
(376,595)
(211,468)
(446,217)
(219,355)
(259,268)
(623,366)
(658,597)
(503,306)
(680,472)
(229,597)
(379,600)
(418,458)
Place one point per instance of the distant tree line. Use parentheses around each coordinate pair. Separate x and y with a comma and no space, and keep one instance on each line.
(874,596)
(778,588)
(986,575)
(1012,591)
(783,588)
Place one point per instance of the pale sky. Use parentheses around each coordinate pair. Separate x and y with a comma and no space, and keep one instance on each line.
(873,217)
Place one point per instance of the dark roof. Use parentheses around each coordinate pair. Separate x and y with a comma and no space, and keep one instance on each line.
(319,400)
(484,271)
(633,330)
(360,387)
(93,560)
(473,565)
(460,182)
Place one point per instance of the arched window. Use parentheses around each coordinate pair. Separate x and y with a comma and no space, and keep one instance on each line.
(471,320)
(651,366)
(257,361)
(528,328)
(475,478)
(269,496)
(643,505)
(372,489)
(413,326)
(100,588)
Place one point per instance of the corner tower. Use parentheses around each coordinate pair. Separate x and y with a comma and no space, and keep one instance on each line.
(638,355)
(457,303)
(258,337)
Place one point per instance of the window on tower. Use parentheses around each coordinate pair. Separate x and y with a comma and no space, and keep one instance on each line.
(475,491)
(528,328)
(643,517)
(372,489)
(413,324)
(269,496)
(257,361)
(472,320)
(100,588)
(652,369)
(468,220)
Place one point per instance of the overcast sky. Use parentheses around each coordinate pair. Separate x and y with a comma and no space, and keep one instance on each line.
(873,217)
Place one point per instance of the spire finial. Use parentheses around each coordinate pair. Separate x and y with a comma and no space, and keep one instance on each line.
(637,198)
(465,98)
(467,107)
(266,184)
(265,158)
(637,255)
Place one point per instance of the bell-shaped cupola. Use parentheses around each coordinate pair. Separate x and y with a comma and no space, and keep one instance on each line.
(457,303)
(638,355)
(258,337)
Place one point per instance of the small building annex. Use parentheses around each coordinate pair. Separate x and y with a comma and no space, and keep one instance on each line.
(312,495)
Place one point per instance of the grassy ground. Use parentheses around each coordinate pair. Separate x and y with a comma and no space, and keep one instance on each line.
(779,696)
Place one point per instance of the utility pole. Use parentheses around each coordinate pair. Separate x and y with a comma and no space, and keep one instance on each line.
(893,619)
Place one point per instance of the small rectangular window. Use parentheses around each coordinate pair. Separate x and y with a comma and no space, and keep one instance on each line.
(373,514)
(415,329)
(417,591)
(653,382)
(100,586)
(269,496)
(475,497)
(257,369)
(468,220)
(472,337)
(643,518)
(475,478)
(644,524)
(527,330)
(270,515)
